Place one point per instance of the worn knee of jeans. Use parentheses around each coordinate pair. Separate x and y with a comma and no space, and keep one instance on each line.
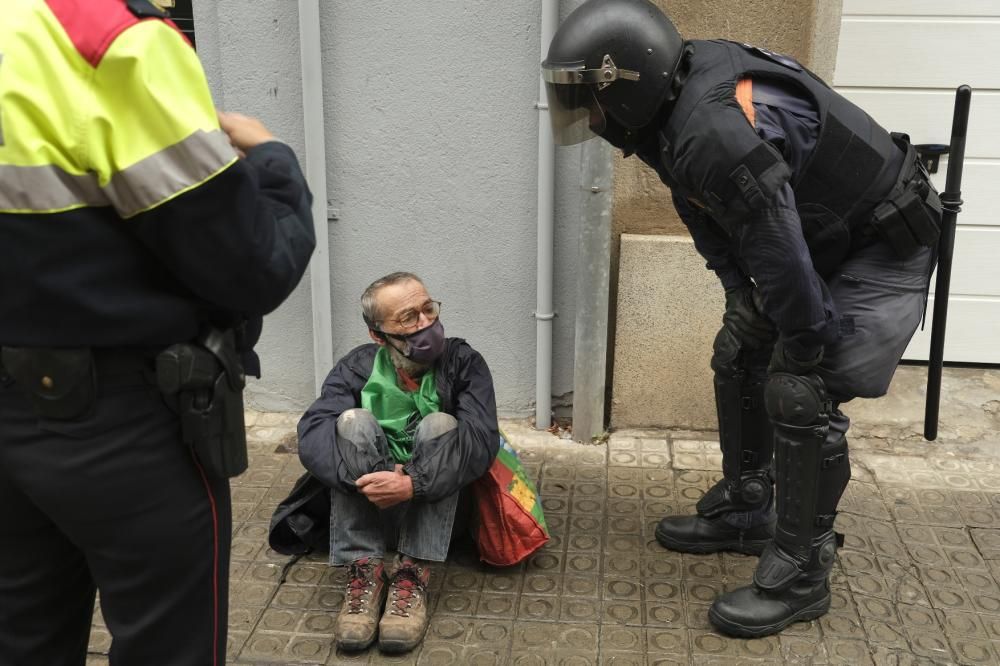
(434,425)
(358,437)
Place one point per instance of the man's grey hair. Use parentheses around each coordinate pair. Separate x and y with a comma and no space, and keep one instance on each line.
(369,300)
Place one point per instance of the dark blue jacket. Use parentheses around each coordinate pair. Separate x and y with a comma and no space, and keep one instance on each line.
(439,467)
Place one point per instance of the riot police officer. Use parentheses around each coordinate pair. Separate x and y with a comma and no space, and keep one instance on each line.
(819,224)
(138,250)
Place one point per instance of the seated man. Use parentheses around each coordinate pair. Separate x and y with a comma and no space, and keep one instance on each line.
(401,426)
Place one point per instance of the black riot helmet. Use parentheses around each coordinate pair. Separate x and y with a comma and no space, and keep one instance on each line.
(614,57)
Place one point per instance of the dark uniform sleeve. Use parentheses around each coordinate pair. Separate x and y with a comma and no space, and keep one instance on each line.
(237,233)
(241,240)
(774,250)
(757,211)
(795,297)
(317,428)
(444,465)
(711,244)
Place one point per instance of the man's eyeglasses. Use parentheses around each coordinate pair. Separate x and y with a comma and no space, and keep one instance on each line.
(410,318)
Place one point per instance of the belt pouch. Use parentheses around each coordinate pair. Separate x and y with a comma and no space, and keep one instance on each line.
(60,383)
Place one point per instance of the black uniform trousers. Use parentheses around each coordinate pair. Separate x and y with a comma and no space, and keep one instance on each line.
(113,502)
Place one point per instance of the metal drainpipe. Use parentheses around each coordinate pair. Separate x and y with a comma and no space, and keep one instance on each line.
(592,292)
(315,144)
(546,204)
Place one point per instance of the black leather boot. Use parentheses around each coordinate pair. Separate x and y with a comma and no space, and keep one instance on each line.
(736,514)
(785,589)
(792,580)
(712,533)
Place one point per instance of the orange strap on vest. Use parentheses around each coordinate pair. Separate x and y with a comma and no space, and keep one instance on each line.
(744,95)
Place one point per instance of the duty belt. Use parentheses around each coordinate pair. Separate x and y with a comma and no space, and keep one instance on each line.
(910,216)
(64,383)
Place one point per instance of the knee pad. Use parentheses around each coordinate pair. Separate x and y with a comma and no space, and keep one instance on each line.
(725,352)
(796,401)
(733,358)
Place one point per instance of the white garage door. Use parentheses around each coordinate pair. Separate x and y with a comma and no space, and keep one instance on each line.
(901,61)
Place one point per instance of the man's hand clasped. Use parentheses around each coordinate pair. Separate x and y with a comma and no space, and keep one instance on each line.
(386,489)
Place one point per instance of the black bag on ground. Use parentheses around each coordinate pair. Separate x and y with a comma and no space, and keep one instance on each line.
(301,523)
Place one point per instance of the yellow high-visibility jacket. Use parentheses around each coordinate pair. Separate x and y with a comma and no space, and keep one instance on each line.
(126,218)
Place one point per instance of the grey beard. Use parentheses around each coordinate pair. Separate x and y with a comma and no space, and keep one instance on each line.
(412,368)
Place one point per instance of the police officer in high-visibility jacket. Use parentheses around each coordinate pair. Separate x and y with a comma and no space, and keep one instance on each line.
(140,243)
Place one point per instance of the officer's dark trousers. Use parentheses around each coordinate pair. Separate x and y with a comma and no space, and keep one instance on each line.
(113,502)
(880,300)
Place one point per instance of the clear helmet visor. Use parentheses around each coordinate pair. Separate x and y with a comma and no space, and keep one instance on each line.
(574,112)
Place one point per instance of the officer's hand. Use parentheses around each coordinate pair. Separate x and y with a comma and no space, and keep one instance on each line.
(385,489)
(782,360)
(744,317)
(244,132)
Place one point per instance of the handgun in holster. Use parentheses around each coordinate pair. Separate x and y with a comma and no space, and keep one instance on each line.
(205,381)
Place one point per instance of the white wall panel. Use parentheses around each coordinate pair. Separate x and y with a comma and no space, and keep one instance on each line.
(901,61)
(919,53)
(976,265)
(979,192)
(922,7)
(973,332)
(926,115)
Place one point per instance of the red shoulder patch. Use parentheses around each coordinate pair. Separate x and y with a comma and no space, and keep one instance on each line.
(92,25)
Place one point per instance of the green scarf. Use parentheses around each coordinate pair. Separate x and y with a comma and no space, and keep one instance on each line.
(396,410)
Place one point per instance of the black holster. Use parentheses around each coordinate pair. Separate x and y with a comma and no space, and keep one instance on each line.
(204,381)
(60,383)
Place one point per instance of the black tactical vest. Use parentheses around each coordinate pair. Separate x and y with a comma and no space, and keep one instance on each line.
(710,154)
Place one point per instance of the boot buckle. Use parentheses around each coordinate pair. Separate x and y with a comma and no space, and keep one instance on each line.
(776,569)
(832,461)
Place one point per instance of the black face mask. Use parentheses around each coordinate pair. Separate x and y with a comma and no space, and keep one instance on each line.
(424,346)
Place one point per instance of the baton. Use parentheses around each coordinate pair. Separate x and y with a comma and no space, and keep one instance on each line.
(951,203)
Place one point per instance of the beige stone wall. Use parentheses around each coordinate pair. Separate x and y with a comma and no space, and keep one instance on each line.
(664,343)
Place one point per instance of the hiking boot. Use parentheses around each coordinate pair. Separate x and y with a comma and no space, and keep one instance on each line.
(697,534)
(357,623)
(406,614)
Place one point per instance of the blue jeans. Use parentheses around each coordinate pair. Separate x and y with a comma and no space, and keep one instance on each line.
(360,529)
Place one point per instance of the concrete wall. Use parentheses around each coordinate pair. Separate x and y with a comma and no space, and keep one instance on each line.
(431,149)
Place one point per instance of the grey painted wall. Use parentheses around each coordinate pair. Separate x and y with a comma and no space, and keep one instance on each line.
(431,149)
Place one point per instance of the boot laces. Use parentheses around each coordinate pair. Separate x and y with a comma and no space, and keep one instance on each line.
(360,588)
(407,587)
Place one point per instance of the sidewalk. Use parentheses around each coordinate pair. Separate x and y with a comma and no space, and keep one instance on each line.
(917,580)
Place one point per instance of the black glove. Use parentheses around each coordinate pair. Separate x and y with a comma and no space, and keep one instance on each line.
(744,318)
(783,361)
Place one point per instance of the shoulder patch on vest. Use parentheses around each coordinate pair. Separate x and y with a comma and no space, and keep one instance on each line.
(760,175)
(92,25)
(780,58)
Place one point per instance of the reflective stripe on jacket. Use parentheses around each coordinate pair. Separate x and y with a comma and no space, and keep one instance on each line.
(126,218)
